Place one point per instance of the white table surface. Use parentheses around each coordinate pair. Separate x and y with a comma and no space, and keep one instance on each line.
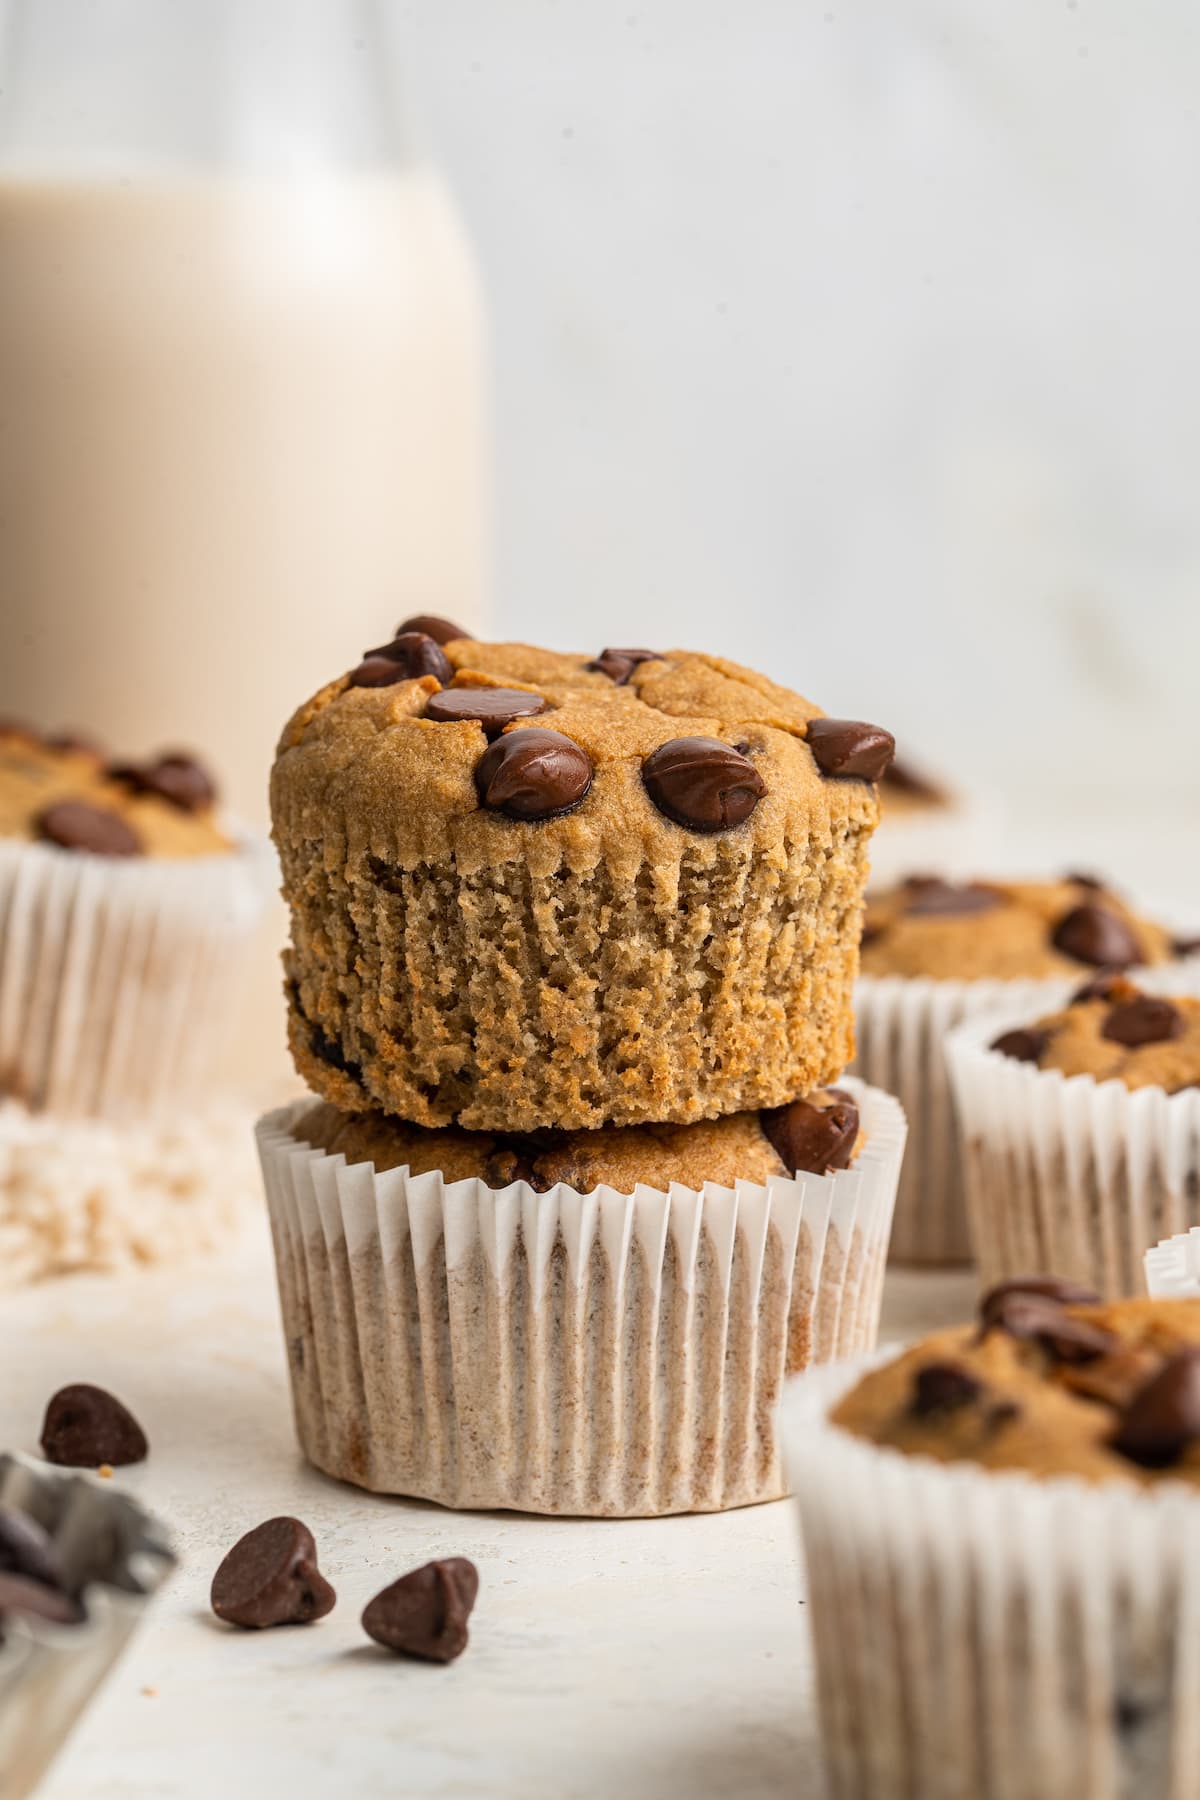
(641,1658)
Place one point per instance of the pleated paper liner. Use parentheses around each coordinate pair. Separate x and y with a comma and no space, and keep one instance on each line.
(988,1636)
(1172,1267)
(118,975)
(1067,1173)
(118,1555)
(602,1354)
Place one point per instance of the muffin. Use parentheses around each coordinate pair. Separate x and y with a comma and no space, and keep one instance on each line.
(1001,1529)
(534,890)
(573,1322)
(126,904)
(1080,1132)
(936,952)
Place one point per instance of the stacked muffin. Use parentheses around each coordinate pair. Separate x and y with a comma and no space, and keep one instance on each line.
(573,945)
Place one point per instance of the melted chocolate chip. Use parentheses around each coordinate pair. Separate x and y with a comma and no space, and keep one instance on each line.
(1041,1320)
(1091,934)
(442,631)
(270,1577)
(86,1426)
(493,708)
(619,665)
(810,1139)
(1142,1019)
(702,784)
(1163,1417)
(415,653)
(25,1549)
(934,896)
(943,1387)
(533,774)
(77,825)
(1045,1287)
(1025,1044)
(850,747)
(326,1050)
(425,1613)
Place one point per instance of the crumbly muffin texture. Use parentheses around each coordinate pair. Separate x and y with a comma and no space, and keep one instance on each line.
(1004,930)
(1114,1032)
(1048,1381)
(819,1134)
(64,791)
(657,921)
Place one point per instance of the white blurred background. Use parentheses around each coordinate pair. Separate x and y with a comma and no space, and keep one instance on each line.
(858,341)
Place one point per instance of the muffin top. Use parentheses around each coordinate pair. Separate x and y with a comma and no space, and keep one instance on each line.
(1050,1381)
(1113,1031)
(62,790)
(430,749)
(819,1134)
(1005,930)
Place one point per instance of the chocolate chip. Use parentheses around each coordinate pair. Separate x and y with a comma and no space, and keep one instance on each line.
(702,784)
(270,1577)
(1045,1287)
(493,708)
(77,825)
(533,774)
(1040,1320)
(1142,1020)
(943,1387)
(1164,1416)
(850,747)
(25,1598)
(415,653)
(1025,1043)
(934,896)
(1091,934)
(326,1050)
(25,1549)
(86,1426)
(619,665)
(375,672)
(425,1613)
(1106,984)
(810,1139)
(176,777)
(442,631)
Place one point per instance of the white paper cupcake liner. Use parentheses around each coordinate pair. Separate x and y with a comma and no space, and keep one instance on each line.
(900,1026)
(48,1673)
(118,976)
(602,1354)
(992,1635)
(1172,1268)
(86,1194)
(1067,1173)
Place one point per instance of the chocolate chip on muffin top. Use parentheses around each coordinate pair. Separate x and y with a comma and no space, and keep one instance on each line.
(1113,1031)
(1004,930)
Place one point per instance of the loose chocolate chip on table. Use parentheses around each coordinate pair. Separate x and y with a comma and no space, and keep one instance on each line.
(270,1577)
(533,774)
(1142,1019)
(1025,1043)
(1045,1287)
(1041,1320)
(1164,1416)
(934,896)
(493,708)
(76,825)
(619,665)
(22,1597)
(812,1139)
(425,1613)
(25,1549)
(442,631)
(1091,934)
(415,653)
(944,1387)
(702,784)
(850,747)
(86,1426)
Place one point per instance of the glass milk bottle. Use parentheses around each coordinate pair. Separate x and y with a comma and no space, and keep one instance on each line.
(241,376)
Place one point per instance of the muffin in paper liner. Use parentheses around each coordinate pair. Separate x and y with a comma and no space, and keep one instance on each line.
(1065,1172)
(606,1354)
(118,976)
(116,1555)
(900,1026)
(983,1634)
(1172,1267)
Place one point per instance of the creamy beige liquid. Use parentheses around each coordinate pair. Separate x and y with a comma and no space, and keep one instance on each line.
(240,436)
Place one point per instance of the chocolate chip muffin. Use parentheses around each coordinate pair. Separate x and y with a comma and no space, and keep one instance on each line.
(1000,1528)
(534,890)
(1113,1031)
(816,1135)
